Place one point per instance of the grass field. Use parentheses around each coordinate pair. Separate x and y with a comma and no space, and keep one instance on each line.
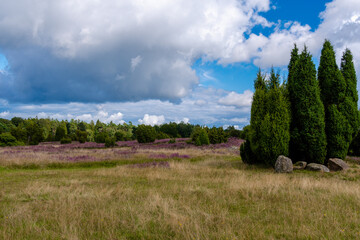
(201,193)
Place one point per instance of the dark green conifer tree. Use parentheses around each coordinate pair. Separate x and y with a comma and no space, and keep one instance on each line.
(333,91)
(275,127)
(308,139)
(270,122)
(258,112)
(350,108)
(293,60)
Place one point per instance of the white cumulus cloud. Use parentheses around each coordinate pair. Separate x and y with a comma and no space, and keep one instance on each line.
(152,120)
(238,100)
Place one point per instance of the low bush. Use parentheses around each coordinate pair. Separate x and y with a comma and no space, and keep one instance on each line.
(110,142)
(65,140)
(120,135)
(202,139)
(161,135)
(81,136)
(100,137)
(217,135)
(145,134)
(6,139)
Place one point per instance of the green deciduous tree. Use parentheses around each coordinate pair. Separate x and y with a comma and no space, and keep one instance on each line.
(61,131)
(145,134)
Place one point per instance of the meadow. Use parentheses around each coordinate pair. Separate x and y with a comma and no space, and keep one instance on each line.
(168,191)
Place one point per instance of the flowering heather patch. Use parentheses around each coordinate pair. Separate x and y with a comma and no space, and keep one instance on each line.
(151,165)
(81,158)
(177,155)
(128,150)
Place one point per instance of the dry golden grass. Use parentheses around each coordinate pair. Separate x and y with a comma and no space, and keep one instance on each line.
(209,199)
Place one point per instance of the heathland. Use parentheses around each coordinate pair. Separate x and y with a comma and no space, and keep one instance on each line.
(165,190)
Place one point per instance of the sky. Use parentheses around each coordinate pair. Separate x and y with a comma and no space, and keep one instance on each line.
(156,61)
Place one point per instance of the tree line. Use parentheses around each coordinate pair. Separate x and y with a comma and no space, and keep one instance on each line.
(311,117)
(32,131)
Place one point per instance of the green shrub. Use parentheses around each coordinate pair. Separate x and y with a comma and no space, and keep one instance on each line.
(195,133)
(61,132)
(81,136)
(161,135)
(110,142)
(145,134)
(203,138)
(172,140)
(197,142)
(6,139)
(65,140)
(217,135)
(100,137)
(120,135)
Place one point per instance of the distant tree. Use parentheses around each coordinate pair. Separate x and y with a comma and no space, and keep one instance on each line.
(34,132)
(170,129)
(232,132)
(185,129)
(6,139)
(71,128)
(120,135)
(82,126)
(217,135)
(308,139)
(19,133)
(145,134)
(17,121)
(203,138)
(110,142)
(81,136)
(101,137)
(61,131)
(161,135)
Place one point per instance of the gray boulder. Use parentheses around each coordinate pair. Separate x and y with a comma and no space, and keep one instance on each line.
(283,165)
(300,165)
(317,167)
(336,164)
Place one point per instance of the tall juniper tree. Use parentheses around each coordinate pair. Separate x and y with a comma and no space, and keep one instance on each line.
(333,95)
(275,127)
(351,94)
(308,139)
(270,122)
(258,112)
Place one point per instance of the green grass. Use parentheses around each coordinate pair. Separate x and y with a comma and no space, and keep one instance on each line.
(203,199)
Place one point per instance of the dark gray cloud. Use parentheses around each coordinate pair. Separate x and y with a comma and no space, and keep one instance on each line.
(98,51)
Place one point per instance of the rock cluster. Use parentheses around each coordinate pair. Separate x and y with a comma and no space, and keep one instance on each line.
(284,165)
